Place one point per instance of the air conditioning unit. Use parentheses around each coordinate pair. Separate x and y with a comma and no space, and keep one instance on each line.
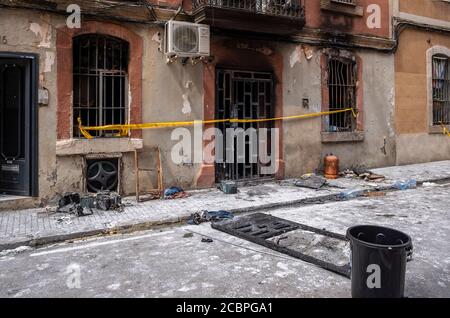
(185,39)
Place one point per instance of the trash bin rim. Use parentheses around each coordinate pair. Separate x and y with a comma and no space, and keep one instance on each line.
(405,245)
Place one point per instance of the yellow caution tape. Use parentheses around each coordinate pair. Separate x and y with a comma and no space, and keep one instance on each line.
(124,129)
(445,130)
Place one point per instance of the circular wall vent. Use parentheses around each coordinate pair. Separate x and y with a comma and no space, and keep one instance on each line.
(102,175)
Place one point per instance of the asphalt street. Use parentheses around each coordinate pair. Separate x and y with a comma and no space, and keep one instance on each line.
(174,262)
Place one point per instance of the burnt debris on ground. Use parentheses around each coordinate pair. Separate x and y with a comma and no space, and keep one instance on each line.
(208,216)
(362,173)
(310,181)
(317,246)
(83,205)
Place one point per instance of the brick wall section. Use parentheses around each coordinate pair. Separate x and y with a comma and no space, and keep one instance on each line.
(329,21)
(65,76)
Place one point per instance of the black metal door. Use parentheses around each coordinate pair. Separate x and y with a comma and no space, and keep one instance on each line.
(243,95)
(16,127)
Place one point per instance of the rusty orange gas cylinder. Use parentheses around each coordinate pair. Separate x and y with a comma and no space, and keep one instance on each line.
(331,167)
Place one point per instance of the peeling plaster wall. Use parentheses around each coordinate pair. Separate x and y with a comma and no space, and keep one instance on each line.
(303,147)
(378,148)
(302,141)
(172,92)
(26,31)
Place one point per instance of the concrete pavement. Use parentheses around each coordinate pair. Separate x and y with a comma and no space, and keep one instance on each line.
(173,262)
(39,226)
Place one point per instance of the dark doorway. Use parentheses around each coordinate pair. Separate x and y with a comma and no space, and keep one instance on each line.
(18,124)
(243,95)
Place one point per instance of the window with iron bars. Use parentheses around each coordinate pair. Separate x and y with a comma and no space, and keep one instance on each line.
(342,94)
(441,90)
(100,81)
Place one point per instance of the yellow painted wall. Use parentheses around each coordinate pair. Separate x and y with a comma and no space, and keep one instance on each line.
(414,142)
(411,79)
(436,9)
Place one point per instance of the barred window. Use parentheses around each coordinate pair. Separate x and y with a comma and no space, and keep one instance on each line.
(100,81)
(441,90)
(342,94)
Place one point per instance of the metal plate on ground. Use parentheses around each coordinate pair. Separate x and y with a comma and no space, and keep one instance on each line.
(320,247)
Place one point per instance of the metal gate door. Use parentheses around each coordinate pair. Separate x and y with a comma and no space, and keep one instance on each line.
(17,122)
(243,95)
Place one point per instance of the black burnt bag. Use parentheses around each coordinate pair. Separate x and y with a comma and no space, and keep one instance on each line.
(379,257)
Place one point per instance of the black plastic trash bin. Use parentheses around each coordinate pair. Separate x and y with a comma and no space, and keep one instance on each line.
(379,257)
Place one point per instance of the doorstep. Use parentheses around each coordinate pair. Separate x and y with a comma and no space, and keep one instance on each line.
(12,202)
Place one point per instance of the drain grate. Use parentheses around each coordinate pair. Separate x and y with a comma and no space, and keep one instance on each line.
(260,228)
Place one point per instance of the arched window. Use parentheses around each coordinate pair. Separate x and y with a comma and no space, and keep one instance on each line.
(100,82)
(441,89)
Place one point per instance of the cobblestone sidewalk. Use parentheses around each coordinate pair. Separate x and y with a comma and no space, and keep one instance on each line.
(39,226)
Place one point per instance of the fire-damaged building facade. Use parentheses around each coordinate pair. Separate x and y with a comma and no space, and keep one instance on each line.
(266,59)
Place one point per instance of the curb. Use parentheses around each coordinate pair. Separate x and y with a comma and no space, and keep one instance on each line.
(142,226)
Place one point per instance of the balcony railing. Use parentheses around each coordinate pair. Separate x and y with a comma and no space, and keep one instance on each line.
(279,8)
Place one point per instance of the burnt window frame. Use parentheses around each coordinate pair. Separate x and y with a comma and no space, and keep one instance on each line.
(352,84)
(100,77)
(440,95)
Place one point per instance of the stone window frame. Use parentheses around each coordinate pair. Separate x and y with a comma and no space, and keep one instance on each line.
(64,44)
(431,52)
(337,137)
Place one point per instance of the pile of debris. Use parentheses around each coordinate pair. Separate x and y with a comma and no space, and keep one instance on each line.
(175,193)
(362,173)
(74,203)
(209,216)
(310,181)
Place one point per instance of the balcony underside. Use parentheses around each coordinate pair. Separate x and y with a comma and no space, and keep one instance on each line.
(239,20)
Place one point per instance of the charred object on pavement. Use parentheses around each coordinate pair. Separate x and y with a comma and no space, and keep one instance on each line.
(310,181)
(175,193)
(73,203)
(274,233)
(228,187)
(362,173)
(208,216)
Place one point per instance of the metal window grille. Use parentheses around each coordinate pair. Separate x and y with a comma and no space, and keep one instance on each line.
(342,94)
(441,90)
(243,95)
(100,81)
